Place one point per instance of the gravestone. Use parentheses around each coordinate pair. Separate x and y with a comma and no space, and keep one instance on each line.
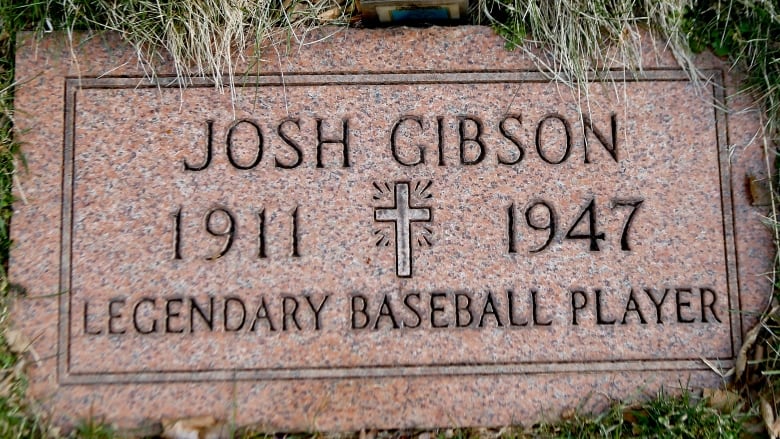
(389,228)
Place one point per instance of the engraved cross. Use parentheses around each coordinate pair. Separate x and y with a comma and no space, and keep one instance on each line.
(403,215)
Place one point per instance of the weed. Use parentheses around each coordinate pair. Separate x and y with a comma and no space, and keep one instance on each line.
(201,37)
(682,417)
(17,420)
(583,38)
(579,425)
(664,416)
(93,429)
(748,32)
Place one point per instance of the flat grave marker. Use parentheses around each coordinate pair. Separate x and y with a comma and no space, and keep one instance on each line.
(395,232)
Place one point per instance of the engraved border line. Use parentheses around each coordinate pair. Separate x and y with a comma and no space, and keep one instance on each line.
(390,372)
(727,205)
(72,85)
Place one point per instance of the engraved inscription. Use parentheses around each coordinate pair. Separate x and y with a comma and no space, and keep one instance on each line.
(403,215)
(229,232)
(540,216)
(553,135)
(247,135)
(190,314)
(220,222)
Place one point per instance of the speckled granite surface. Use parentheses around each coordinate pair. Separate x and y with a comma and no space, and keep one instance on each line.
(407,228)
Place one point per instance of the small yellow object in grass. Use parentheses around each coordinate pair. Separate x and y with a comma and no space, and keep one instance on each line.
(724,401)
(768,415)
(19,344)
(199,427)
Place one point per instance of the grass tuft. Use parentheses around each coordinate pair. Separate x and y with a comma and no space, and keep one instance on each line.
(583,38)
(664,416)
(204,38)
(748,32)
(92,429)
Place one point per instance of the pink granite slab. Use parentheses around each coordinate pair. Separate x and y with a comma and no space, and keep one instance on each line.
(368,242)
